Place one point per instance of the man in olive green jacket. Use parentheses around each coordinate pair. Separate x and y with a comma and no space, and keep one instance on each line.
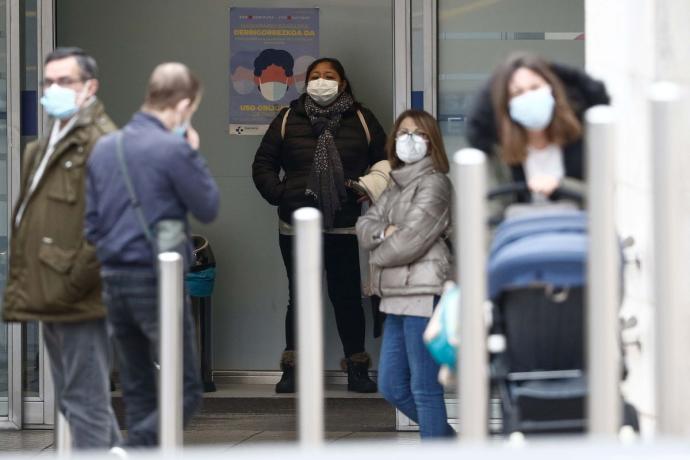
(54,273)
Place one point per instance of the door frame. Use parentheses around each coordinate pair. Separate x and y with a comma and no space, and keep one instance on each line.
(14,420)
(402,62)
(39,411)
(30,411)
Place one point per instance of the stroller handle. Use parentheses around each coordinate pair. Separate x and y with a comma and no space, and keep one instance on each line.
(563,190)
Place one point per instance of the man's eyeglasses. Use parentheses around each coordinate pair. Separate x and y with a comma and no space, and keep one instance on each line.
(62,81)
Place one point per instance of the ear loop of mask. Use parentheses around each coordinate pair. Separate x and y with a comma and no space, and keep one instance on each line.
(83,93)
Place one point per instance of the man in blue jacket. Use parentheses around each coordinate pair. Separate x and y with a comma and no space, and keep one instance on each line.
(170,179)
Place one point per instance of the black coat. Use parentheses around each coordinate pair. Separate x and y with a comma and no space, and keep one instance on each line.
(295,154)
(583,92)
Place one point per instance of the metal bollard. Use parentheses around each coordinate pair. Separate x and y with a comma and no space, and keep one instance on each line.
(668,144)
(603,274)
(470,239)
(309,271)
(63,436)
(171,311)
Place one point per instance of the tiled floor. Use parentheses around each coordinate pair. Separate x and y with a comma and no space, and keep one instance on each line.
(26,441)
(250,415)
(36,441)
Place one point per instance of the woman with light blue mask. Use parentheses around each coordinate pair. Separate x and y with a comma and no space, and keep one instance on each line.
(531,112)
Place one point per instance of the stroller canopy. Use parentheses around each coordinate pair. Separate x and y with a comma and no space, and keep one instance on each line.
(539,249)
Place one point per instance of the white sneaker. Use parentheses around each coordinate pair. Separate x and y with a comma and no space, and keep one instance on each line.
(118,452)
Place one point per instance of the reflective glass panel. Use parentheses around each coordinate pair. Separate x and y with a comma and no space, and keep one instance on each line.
(29,77)
(474,36)
(4,370)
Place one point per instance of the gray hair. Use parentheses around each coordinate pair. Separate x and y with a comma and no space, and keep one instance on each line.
(87,64)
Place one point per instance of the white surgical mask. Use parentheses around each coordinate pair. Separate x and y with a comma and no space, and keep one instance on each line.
(533,109)
(410,148)
(273,90)
(322,91)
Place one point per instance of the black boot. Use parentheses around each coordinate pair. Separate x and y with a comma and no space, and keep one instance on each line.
(287,380)
(357,367)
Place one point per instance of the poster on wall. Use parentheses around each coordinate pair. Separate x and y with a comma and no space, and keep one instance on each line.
(270,50)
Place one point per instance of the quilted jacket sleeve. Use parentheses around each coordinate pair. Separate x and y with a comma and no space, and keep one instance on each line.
(370,225)
(427,217)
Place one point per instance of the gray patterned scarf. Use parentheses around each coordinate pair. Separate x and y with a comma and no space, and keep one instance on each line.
(327,179)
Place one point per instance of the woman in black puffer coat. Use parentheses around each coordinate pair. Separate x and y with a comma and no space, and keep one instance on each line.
(321,142)
(530,112)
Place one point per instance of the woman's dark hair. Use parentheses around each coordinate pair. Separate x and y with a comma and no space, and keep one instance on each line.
(564,128)
(429,126)
(337,66)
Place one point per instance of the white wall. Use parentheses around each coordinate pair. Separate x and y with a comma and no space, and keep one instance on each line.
(630,44)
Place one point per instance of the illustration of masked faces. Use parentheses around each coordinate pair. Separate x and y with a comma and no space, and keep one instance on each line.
(273,83)
(301,65)
(242,80)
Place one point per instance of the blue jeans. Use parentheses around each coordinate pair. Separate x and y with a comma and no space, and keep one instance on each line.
(132,301)
(408,376)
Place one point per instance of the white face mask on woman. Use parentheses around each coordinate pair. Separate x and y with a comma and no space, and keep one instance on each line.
(533,109)
(410,148)
(322,91)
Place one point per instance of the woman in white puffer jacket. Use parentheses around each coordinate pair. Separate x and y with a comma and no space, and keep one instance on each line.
(410,261)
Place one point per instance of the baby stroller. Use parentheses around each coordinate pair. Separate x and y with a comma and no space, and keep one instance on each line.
(537,277)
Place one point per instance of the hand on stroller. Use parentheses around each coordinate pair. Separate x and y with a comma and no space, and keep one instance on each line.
(543,184)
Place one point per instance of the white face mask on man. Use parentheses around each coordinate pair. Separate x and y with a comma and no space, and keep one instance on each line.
(410,148)
(61,102)
(322,91)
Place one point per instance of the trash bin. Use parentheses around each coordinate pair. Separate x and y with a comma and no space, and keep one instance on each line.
(200,281)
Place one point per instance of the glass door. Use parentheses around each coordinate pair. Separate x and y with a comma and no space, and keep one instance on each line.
(446,49)
(11,405)
(4,361)
(26,35)
(36,41)
(475,36)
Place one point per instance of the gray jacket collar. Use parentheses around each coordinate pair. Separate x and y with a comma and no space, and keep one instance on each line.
(403,176)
